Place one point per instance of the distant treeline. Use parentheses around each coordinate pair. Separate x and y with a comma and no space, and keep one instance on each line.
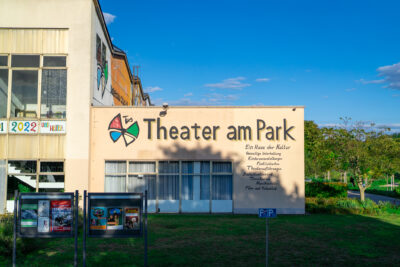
(363,153)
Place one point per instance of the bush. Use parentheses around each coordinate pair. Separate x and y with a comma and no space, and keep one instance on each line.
(7,238)
(326,190)
(349,206)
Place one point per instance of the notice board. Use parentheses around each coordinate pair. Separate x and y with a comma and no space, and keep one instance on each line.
(114,214)
(45,215)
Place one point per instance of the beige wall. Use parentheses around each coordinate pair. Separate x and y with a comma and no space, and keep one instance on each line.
(252,189)
(57,26)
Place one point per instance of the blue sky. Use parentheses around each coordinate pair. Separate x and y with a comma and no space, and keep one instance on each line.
(337,58)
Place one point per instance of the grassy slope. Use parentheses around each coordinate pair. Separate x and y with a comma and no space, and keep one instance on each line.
(227,240)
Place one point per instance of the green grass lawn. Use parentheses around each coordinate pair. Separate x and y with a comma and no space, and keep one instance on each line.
(238,240)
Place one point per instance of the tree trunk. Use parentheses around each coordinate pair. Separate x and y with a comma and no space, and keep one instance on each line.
(329,175)
(362,194)
(393,182)
(345,177)
(387,182)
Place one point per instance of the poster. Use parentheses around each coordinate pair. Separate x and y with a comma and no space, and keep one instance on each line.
(29,215)
(44,208)
(43,225)
(132,219)
(98,218)
(114,219)
(61,216)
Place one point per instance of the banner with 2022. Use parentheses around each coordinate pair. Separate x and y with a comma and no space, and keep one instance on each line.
(33,127)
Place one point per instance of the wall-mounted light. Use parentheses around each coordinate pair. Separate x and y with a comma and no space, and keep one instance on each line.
(164,111)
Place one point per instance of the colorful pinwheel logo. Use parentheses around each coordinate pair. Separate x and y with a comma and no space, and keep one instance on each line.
(116,130)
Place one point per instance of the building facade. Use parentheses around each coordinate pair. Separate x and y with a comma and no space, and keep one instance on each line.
(74,117)
(56,62)
(201,159)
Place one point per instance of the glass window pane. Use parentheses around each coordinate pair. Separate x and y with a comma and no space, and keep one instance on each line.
(115,183)
(151,186)
(139,183)
(54,93)
(168,167)
(222,187)
(187,166)
(204,167)
(51,179)
(222,167)
(24,93)
(25,61)
(56,61)
(22,183)
(3,92)
(136,183)
(143,167)
(205,187)
(3,61)
(187,187)
(168,187)
(115,167)
(25,166)
(51,166)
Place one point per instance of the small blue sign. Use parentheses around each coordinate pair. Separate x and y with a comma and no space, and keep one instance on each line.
(267,213)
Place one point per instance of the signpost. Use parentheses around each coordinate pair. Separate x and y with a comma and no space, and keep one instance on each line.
(266,213)
(45,215)
(114,215)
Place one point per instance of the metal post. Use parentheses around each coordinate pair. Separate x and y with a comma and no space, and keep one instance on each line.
(76,227)
(266,243)
(145,228)
(14,256)
(84,228)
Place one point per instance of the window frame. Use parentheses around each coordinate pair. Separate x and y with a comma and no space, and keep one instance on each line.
(37,173)
(39,84)
(210,174)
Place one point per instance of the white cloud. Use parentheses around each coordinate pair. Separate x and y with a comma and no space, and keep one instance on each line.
(260,80)
(109,18)
(231,83)
(391,74)
(371,82)
(152,89)
(212,99)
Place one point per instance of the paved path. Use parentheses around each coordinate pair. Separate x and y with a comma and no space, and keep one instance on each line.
(375,198)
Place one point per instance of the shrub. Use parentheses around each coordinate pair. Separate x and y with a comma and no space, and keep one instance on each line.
(326,190)
(7,238)
(349,206)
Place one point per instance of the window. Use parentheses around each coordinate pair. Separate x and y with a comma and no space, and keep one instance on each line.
(25,61)
(140,176)
(3,61)
(3,92)
(54,93)
(115,176)
(26,71)
(134,176)
(222,181)
(34,176)
(168,180)
(24,93)
(192,171)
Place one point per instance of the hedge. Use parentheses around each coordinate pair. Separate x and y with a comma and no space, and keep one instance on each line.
(326,190)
